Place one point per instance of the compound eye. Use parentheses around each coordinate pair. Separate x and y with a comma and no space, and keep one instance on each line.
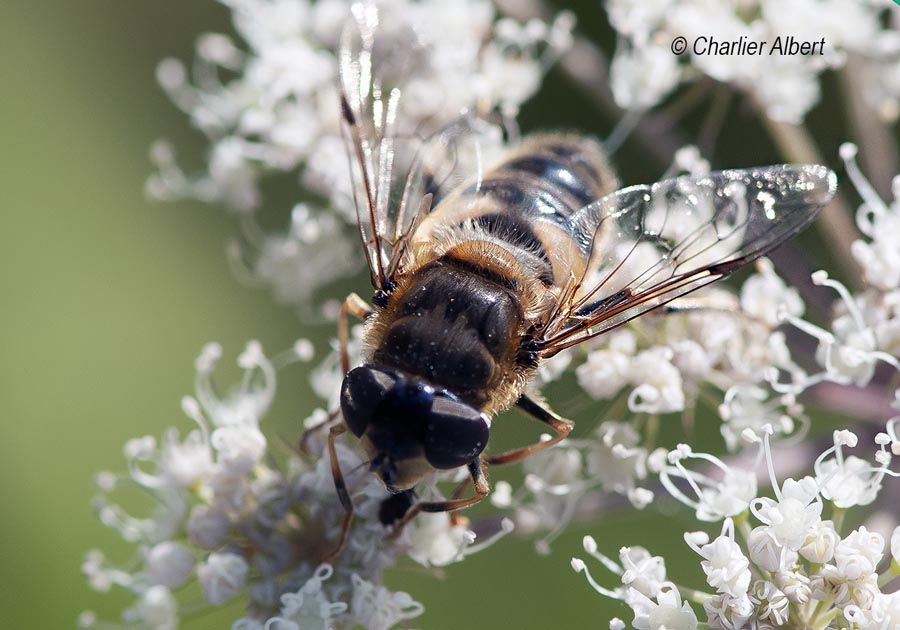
(455,434)
(362,391)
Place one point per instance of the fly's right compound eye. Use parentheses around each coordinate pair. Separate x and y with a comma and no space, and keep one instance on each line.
(455,434)
(362,391)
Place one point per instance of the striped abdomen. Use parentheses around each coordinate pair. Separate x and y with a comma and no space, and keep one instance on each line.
(550,177)
(525,203)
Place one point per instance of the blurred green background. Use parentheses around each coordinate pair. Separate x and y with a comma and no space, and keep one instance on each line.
(108,298)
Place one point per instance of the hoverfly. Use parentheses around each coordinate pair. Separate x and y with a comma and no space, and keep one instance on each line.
(481,274)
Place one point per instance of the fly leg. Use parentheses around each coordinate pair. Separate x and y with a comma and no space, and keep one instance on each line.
(340,487)
(356,306)
(482,489)
(561,427)
(304,446)
(455,517)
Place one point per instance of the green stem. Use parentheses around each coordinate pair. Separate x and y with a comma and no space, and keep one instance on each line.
(652,431)
(689,99)
(888,576)
(821,622)
(742,521)
(714,120)
(698,597)
(823,613)
(712,401)
(837,517)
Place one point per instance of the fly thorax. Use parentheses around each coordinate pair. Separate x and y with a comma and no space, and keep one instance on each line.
(454,327)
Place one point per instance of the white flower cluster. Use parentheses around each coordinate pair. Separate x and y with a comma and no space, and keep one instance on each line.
(866,326)
(666,364)
(645,69)
(612,460)
(269,106)
(243,520)
(720,339)
(725,351)
(879,258)
(794,570)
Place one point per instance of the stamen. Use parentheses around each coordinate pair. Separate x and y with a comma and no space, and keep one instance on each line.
(506,527)
(873,202)
(579,566)
(191,408)
(687,476)
(821,278)
(767,431)
(590,547)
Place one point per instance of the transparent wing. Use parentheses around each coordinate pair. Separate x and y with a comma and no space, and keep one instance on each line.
(651,244)
(402,160)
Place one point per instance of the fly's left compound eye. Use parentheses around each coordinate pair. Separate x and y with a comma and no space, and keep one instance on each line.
(455,434)
(362,391)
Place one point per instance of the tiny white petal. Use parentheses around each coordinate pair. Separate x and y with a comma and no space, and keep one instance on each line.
(222,576)
(169,564)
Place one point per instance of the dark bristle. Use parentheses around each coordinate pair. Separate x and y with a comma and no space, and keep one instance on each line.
(528,352)
(346,112)
(383,295)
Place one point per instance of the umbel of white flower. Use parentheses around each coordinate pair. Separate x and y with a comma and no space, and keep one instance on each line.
(645,68)
(794,570)
(249,519)
(242,517)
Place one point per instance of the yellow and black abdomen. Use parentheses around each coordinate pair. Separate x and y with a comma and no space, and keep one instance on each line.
(524,205)
(550,177)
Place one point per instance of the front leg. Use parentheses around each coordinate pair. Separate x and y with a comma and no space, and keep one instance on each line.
(482,489)
(353,305)
(356,306)
(340,487)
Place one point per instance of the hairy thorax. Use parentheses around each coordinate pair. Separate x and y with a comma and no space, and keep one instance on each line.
(456,328)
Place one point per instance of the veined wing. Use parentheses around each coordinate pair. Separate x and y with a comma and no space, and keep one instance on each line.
(651,244)
(400,167)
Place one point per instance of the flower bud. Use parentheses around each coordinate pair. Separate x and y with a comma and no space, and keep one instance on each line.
(169,564)
(858,554)
(764,549)
(772,604)
(795,585)
(222,576)
(820,543)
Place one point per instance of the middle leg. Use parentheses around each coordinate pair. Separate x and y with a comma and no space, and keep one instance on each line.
(561,428)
